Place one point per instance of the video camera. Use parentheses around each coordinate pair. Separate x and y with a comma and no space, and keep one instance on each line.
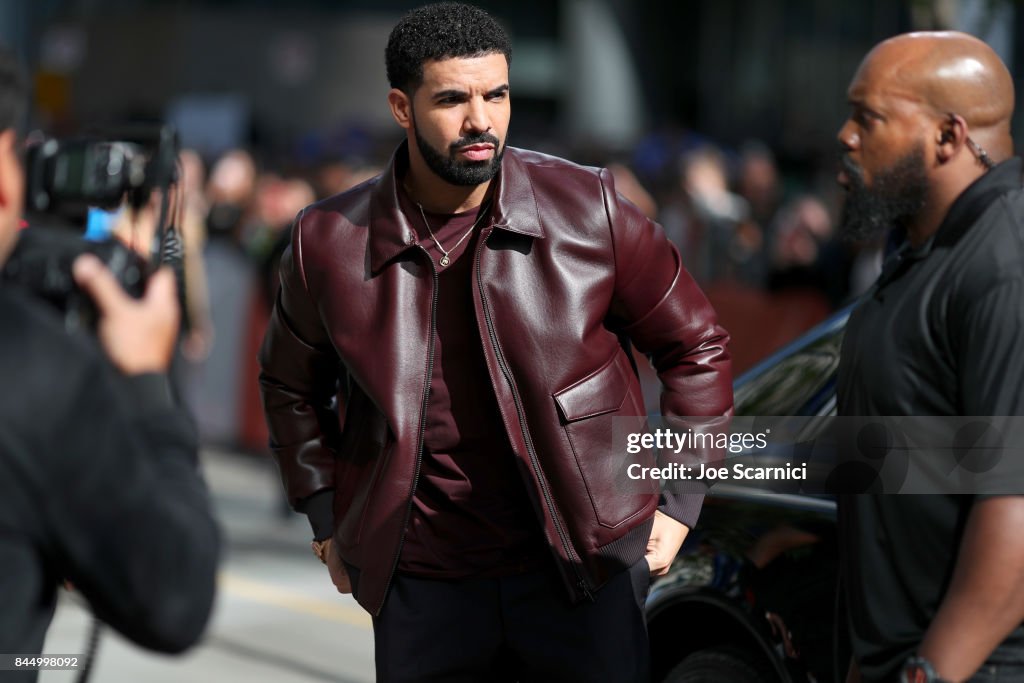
(67,178)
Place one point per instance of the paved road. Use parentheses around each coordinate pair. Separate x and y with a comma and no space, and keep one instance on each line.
(277,618)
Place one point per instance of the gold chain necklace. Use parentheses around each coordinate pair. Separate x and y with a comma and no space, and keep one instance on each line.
(445,258)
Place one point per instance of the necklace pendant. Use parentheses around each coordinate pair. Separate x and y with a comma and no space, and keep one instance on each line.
(445,261)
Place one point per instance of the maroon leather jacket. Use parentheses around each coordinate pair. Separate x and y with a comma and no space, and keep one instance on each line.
(565,272)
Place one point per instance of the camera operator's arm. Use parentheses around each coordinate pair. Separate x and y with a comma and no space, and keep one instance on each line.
(133,522)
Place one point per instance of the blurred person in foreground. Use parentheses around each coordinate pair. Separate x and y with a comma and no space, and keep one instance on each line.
(469,303)
(935,583)
(98,478)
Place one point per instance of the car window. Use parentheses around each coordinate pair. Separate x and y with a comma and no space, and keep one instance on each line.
(799,380)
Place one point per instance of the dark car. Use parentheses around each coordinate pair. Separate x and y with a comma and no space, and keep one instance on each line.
(753,597)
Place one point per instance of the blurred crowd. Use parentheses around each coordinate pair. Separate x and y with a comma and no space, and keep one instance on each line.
(762,243)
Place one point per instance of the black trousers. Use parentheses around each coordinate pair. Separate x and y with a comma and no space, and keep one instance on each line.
(518,628)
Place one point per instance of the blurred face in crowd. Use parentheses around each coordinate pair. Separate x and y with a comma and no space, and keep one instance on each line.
(12,191)
(883,165)
(458,117)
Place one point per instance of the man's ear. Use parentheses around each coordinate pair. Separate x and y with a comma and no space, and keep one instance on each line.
(950,136)
(10,169)
(401,107)
(12,187)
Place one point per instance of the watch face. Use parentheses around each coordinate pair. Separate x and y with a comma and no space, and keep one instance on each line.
(915,674)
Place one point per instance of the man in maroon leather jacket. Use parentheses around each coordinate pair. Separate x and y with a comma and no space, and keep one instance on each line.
(469,306)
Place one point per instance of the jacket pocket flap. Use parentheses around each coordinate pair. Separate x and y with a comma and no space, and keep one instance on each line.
(602,391)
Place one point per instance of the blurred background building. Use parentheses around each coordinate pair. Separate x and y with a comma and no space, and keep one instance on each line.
(718,119)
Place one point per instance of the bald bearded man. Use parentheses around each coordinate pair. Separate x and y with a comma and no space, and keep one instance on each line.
(935,583)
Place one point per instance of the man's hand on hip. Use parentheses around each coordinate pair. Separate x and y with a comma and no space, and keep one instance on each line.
(339,576)
(667,537)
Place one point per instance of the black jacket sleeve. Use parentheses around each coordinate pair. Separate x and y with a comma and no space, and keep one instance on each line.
(127,514)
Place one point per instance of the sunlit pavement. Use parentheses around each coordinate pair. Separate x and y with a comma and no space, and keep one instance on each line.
(277,618)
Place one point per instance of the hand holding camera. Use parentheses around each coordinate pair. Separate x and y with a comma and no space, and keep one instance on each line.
(65,181)
(137,333)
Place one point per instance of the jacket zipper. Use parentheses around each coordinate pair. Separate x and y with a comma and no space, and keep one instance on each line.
(534,461)
(422,431)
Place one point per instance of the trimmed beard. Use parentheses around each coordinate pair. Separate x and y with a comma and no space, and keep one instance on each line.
(896,196)
(457,172)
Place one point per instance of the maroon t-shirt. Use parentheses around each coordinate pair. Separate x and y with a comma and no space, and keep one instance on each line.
(471,515)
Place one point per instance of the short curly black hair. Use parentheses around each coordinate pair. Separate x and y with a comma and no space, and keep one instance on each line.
(440,31)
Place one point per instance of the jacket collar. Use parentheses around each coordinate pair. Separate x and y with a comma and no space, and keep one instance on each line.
(516,207)
(514,210)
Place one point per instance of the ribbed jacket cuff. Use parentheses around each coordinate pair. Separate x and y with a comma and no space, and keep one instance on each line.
(682,507)
(319,508)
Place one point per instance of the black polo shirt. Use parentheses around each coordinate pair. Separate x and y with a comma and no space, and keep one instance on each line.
(940,333)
